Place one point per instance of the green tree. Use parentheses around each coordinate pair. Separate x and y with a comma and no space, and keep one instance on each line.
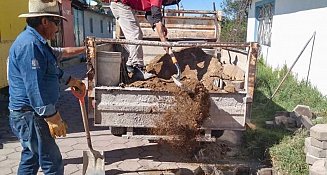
(234,23)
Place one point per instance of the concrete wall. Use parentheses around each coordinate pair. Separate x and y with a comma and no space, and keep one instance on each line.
(294,22)
(96,20)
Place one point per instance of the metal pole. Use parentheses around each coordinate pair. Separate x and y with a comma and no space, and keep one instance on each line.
(272,96)
(171,44)
(313,43)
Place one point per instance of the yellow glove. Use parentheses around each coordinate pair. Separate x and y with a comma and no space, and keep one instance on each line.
(56,125)
(77,86)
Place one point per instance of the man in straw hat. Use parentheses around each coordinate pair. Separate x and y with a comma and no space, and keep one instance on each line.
(34,79)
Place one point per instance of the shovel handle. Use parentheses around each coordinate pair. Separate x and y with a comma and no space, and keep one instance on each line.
(172,55)
(86,123)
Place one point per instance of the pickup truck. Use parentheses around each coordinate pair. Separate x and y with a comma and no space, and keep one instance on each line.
(126,109)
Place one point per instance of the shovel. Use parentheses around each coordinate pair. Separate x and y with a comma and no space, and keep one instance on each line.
(177,77)
(93,161)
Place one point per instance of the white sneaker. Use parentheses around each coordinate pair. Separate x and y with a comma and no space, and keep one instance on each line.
(141,74)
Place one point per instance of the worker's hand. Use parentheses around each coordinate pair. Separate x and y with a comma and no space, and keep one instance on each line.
(57,127)
(162,31)
(78,87)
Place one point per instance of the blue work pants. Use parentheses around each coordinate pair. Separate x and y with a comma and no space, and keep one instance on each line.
(39,148)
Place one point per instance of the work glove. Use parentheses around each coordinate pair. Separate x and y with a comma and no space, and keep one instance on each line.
(57,126)
(77,86)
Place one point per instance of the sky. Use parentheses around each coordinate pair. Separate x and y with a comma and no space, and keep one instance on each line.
(200,4)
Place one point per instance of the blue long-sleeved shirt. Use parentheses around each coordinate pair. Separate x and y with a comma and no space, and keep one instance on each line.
(33,73)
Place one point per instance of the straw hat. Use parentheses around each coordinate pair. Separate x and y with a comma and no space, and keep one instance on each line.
(38,8)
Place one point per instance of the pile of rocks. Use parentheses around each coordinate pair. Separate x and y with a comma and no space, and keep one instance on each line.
(316,149)
(300,116)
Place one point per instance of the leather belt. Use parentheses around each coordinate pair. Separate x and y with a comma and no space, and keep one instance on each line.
(24,109)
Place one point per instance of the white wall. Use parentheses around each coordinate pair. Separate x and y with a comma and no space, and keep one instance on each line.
(294,23)
(96,17)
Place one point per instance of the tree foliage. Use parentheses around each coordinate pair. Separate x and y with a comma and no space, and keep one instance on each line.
(234,24)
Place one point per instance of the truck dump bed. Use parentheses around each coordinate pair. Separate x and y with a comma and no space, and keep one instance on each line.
(137,107)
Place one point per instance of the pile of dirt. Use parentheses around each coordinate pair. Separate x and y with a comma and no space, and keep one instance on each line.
(195,65)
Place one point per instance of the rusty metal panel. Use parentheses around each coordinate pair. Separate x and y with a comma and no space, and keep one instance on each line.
(184,27)
(182,34)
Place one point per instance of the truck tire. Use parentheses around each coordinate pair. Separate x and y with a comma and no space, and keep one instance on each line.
(217,133)
(118,131)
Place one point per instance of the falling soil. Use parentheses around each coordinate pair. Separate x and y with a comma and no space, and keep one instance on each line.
(191,107)
(184,120)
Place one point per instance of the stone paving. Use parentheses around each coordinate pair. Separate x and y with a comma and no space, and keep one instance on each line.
(122,156)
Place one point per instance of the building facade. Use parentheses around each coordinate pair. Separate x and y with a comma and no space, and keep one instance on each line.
(98,24)
(283,28)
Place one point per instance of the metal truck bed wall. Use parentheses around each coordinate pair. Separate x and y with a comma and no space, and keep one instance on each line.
(137,107)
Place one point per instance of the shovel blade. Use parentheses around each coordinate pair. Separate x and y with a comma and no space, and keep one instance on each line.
(93,164)
(177,81)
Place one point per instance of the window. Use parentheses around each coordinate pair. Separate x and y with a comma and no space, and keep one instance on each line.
(264,12)
(109,27)
(101,26)
(91,25)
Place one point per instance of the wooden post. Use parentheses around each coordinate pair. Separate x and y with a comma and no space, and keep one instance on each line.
(90,58)
(250,81)
(253,57)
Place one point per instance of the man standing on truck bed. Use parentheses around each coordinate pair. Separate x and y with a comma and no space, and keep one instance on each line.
(123,10)
(34,78)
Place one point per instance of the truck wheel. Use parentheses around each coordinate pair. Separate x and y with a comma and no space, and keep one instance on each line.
(118,131)
(217,133)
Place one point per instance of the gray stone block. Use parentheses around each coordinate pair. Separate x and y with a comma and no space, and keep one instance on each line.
(306,122)
(310,159)
(319,132)
(307,143)
(317,152)
(318,168)
(303,110)
(265,171)
(318,143)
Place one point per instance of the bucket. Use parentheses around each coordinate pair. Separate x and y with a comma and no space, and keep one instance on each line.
(108,68)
